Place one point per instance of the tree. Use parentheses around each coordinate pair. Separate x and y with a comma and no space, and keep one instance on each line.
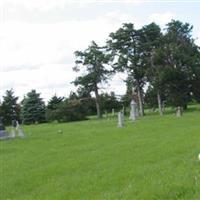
(109,101)
(52,111)
(125,45)
(195,75)
(87,100)
(150,97)
(152,44)
(176,86)
(94,59)
(72,110)
(10,109)
(54,102)
(179,57)
(33,108)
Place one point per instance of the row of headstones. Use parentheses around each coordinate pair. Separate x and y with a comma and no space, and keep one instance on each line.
(134,114)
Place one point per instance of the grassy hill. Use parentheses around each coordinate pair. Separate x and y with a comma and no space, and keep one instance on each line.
(153,158)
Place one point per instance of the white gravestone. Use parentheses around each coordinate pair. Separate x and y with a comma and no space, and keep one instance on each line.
(120,120)
(123,110)
(133,111)
(19,130)
(113,112)
(179,112)
(106,114)
(12,134)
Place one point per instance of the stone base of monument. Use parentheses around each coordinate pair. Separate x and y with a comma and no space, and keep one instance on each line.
(4,135)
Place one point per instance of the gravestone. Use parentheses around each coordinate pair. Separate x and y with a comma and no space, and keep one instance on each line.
(13,130)
(20,133)
(179,111)
(113,112)
(120,120)
(133,111)
(3,133)
(19,130)
(123,110)
(12,134)
(106,114)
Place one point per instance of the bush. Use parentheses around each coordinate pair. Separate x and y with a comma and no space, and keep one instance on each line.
(67,111)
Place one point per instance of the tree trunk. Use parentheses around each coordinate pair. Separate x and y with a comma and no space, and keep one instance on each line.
(185,107)
(159,103)
(140,99)
(97,101)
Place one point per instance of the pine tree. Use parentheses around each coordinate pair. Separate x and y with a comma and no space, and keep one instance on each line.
(94,59)
(10,109)
(33,108)
(54,102)
(125,44)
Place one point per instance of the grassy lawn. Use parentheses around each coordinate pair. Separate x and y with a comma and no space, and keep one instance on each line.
(153,158)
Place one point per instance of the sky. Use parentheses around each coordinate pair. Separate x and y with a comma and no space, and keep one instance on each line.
(38,38)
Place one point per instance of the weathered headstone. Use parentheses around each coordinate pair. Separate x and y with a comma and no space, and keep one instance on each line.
(19,130)
(106,114)
(113,112)
(13,133)
(13,130)
(123,110)
(133,111)
(178,112)
(120,120)
(3,133)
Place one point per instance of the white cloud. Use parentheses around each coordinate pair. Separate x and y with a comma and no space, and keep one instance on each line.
(52,5)
(161,18)
(43,5)
(51,79)
(38,52)
(32,54)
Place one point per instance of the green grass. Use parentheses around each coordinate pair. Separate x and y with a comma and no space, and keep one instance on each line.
(153,158)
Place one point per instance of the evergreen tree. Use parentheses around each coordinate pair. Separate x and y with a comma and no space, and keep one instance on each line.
(180,56)
(151,45)
(125,44)
(54,102)
(53,108)
(33,108)
(109,101)
(94,59)
(10,109)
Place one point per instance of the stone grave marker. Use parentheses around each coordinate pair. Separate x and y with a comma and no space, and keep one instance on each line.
(120,120)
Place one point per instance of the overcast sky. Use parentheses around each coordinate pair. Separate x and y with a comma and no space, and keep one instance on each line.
(38,37)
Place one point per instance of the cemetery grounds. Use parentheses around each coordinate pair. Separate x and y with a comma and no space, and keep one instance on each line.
(153,158)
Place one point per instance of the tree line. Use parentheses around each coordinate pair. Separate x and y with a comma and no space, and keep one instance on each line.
(32,108)
(163,68)
(167,62)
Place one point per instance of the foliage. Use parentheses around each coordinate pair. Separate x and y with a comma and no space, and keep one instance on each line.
(94,59)
(110,101)
(151,97)
(52,111)
(33,108)
(10,109)
(63,110)
(125,44)
(180,56)
(54,102)
(72,110)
